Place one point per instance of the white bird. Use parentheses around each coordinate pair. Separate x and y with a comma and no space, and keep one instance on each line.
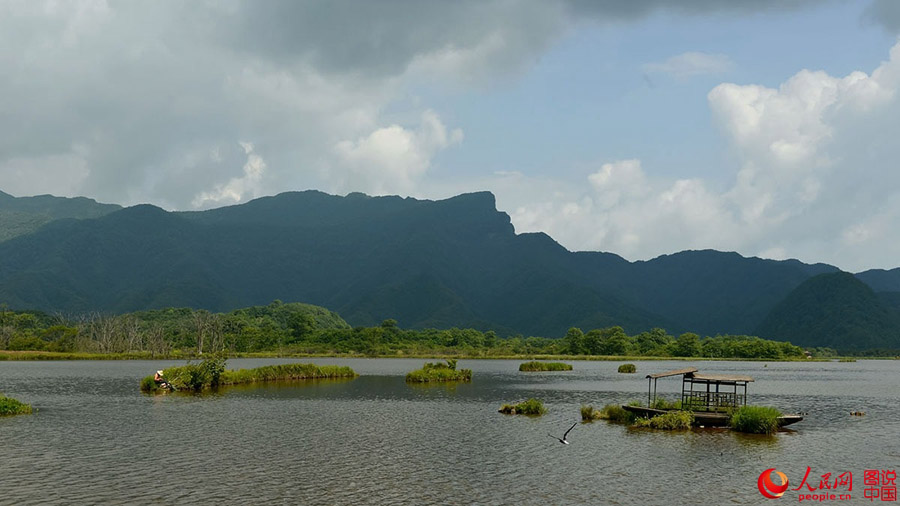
(563,439)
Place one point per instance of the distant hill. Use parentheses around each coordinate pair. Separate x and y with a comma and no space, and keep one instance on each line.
(835,310)
(454,262)
(23,215)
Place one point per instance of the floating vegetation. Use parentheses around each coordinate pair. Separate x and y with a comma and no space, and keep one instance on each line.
(589,414)
(536,366)
(616,413)
(10,406)
(857,413)
(627,368)
(532,407)
(673,420)
(211,373)
(755,419)
(439,372)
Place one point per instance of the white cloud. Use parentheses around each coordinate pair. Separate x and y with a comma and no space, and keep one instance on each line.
(237,189)
(814,177)
(691,63)
(390,159)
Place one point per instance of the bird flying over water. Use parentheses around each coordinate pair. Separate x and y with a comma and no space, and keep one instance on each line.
(563,439)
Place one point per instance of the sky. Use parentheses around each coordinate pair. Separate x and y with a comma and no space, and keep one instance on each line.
(766,127)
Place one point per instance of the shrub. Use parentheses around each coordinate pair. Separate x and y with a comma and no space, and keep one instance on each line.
(627,368)
(755,419)
(661,403)
(10,406)
(673,420)
(536,366)
(616,413)
(588,413)
(211,373)
(439,372)
(532,407)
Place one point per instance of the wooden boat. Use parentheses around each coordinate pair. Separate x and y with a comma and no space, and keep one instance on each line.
(709,401)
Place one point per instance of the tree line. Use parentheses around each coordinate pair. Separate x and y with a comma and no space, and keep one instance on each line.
(301,328)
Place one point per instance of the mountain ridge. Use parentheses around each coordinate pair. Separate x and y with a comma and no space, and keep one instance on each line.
(451,262)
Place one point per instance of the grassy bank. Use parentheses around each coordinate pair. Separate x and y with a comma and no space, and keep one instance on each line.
(535,366)
(533,407)
(211,374)
(438,372)
(10,406)
(457,354)
(673,420)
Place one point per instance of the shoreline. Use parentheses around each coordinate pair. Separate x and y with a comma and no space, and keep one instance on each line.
(24,356)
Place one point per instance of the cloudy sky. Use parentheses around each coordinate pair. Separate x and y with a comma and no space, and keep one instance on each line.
(766,127)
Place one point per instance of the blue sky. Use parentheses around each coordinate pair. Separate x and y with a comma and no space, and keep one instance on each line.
(641,128)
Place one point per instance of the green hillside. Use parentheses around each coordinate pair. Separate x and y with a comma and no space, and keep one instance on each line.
(834,310)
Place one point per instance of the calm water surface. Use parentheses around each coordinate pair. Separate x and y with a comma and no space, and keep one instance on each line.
(375,440)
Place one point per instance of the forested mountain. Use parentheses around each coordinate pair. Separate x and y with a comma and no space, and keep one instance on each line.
(835,310)
(454,262)
(23,215)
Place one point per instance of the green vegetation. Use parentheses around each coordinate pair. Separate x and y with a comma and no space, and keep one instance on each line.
(533,407)
(439,371)
(537,366)
(616,413)
(211,373)
(432,372)
(673,420)
(836,310)
(283,329)
(627,368)
(10,406)
(755,419)
(845,359)
(588,413)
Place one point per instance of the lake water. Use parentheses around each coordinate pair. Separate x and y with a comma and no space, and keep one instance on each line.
(96,439)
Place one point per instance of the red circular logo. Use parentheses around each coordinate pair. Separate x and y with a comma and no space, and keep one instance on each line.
(768,488)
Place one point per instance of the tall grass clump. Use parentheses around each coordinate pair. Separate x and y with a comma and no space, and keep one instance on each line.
(589,414)
(616,413)
(433,372)
(211,373)
(755,419)
(673,420)
(627,368)
(10,406)
(532,407)
(536,366)
(285,372)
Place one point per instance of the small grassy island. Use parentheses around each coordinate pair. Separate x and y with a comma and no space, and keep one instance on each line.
(537,366)
(10,406)
(211,373)
(437,372)
(627,368)
(755,419)
(533,407)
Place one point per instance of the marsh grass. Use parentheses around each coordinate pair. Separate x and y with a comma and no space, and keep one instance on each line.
(535,366)
(589,414)
(616,413)
(10,406)
(211,373)
(533,407)
(755,419)
(673,420)
(627,368)
(439,372)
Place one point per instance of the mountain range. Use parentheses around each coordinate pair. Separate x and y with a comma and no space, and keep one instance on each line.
(454,262)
